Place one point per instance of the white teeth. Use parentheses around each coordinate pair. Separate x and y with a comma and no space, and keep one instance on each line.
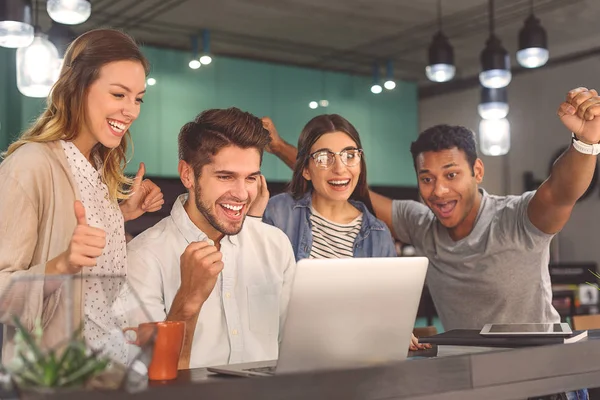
(234,208)
(345,182)
(117,125)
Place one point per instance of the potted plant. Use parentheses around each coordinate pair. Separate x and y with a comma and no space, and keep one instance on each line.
(69,367)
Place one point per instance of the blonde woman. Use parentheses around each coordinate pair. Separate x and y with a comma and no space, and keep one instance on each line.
(64,196)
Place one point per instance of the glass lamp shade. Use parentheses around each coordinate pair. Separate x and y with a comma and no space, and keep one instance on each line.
(37,66)
(15,34)
(16,26)
(440,63)
(440,72)
(495,78)
(69,12)
(533,57)
(533,44)
(493,110)
(495,65)
(494,136)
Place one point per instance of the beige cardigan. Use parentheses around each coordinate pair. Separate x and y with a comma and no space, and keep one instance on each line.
(37,220)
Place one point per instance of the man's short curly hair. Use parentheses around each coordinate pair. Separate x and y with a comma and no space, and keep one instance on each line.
(445,137)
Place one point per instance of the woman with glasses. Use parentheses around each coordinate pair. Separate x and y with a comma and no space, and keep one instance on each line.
(327,212)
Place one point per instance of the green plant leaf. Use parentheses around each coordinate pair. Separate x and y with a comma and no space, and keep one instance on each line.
(28,339)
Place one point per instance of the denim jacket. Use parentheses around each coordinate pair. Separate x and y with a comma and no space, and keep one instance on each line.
(293,217)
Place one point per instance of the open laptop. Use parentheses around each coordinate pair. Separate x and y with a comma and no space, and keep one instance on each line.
(345,313)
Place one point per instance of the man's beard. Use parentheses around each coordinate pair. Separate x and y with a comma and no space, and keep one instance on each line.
(212,218)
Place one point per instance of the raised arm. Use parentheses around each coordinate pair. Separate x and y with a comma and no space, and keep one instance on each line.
(200,266)
(383,209)
(551,206)
(279,147)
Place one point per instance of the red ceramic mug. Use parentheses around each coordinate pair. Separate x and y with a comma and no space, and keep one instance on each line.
(167,346)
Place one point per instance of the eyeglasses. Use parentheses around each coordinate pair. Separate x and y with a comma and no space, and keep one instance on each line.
(324,159)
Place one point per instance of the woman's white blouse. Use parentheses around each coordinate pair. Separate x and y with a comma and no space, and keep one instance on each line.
(103,285)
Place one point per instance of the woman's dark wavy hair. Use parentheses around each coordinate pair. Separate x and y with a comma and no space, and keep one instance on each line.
(314,129)
(445,137)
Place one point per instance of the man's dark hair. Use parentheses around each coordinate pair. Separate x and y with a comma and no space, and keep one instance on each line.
(215,129)
(445,137)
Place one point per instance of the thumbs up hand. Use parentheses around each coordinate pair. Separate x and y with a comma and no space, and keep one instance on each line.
(87,244)
(145,196)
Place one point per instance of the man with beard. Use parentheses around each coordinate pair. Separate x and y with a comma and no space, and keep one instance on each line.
(226,276)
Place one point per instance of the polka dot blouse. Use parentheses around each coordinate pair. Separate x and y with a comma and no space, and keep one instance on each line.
(103,307)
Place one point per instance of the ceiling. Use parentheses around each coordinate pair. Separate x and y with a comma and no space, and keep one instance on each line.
(346,35)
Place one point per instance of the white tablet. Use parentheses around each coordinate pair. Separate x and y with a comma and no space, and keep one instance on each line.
(537,329)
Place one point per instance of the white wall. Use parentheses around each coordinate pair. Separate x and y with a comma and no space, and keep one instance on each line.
(536,134)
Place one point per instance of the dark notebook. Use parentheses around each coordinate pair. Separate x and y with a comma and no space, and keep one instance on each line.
(471,337)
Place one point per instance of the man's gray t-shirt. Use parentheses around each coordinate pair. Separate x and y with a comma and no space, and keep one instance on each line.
(497,274)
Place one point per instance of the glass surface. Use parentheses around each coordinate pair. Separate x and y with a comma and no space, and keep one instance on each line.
(106,330)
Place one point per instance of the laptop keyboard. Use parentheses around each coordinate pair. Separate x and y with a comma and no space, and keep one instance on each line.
(265,370)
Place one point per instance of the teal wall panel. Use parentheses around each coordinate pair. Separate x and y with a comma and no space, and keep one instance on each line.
(387,122)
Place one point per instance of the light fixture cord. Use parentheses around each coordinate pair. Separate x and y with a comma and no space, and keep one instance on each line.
(440,14)
(491,15)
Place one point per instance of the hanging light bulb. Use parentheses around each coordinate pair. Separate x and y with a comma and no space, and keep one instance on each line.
(494,103)
(69,12)
(440,67)
(390,84)
(313,105)
(376,87)
(36,67)
(195,62)
(151,81)
(495,61)
(533,43)
(16,27)
(494,136)
(206,58)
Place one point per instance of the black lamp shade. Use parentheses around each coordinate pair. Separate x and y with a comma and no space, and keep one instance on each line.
(16,10)
(533,34)
(494,95)
(440,50)
(494,56)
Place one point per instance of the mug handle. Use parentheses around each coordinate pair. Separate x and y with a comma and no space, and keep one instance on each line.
(134,329)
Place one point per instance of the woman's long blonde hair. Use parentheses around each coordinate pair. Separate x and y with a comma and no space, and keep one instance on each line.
(66,110)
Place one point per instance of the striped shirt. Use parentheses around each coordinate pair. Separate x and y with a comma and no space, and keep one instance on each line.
(333,240)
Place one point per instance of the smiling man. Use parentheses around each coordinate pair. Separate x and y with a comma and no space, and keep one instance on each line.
(226,276)
(489,254)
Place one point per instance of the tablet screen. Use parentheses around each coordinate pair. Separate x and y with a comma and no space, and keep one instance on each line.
(540,329)
(526,328)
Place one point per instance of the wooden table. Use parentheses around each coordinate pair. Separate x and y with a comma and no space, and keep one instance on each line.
(499,374)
